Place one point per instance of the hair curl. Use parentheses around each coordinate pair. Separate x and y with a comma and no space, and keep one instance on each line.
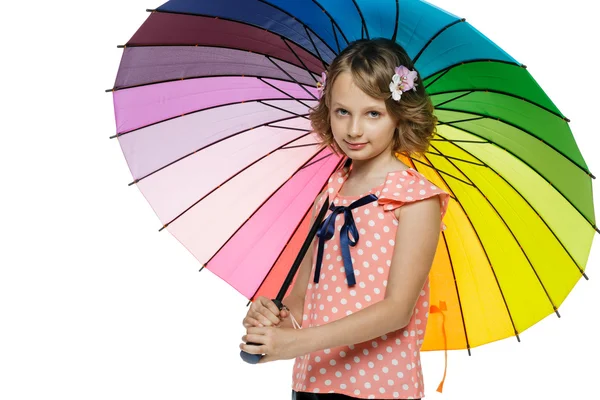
(371,63)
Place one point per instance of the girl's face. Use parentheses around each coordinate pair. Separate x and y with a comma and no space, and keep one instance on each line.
(357,118)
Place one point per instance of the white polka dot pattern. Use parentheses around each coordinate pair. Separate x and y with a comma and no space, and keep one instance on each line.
(389,366)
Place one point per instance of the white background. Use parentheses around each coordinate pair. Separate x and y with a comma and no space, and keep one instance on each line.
(95,303)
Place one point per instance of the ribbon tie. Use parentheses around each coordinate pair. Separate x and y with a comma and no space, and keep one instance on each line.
(327,229)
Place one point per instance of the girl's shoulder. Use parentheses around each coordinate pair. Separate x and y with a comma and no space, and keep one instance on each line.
(409,186)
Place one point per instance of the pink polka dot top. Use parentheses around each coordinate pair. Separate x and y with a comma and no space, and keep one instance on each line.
(386,367)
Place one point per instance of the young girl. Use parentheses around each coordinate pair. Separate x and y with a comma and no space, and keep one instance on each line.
(362,290)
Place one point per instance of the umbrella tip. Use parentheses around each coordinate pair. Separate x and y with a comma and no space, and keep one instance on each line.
(591,175)
(596,228)
(120,46)
(109,90)
(463,19)
(149,10)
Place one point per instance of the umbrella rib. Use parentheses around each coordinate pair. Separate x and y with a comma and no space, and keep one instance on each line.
(313,43)
(262,79)
(115,89)
(236,21)
(444,72)
(332,21)
(397,19)
(479,90)
(435,36)
(362,18)
(205,109)
(283,109)
(299,145)
(291,236)
(530,206)
(522,130)
(317,160)
(462,315)
(255,211)
(484,252)
(291,77)
(439,171)
(288,127)
(511,232)
(458,64)
(460,141)
(287,94)
(230,178)
(299,59)
(460,120)
(458,159)
(337,43)
(301,23)
(207,146)
(531,167)
(452,99)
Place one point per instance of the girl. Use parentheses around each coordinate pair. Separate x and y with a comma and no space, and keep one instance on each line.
(362,290)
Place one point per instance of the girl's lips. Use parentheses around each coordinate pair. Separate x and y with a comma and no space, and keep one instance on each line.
(356,146)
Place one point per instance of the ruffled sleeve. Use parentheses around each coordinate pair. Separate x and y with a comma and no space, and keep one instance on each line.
(409,186)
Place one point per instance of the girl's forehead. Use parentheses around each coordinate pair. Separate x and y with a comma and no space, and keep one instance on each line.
(344,81)
(345,92)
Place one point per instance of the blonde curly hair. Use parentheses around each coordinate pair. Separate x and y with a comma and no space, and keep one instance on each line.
(371,63)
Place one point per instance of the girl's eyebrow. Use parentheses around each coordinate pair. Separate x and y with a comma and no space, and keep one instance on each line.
(370,107)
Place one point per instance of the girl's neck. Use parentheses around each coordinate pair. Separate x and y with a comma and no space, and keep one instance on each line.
(376,167)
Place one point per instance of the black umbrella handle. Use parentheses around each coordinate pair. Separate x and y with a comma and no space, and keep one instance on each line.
(255,358)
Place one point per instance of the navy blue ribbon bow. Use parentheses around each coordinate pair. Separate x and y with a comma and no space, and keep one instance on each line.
(327,229)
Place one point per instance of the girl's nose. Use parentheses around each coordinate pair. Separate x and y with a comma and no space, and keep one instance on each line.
(355,128)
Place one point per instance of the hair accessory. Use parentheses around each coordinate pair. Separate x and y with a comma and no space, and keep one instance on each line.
(321,84)
(402,81)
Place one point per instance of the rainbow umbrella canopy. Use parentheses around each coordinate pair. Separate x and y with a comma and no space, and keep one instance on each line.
(211,101)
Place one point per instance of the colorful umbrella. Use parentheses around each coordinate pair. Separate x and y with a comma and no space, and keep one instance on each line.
(211,102)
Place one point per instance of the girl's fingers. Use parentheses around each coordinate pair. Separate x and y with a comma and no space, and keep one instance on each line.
(269,315)
(260,317)
(253,338)
(252,349)
(267,308)
(249,321)
(269,305)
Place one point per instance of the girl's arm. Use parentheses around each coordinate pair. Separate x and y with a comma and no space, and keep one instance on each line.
(295,300)
(415,245)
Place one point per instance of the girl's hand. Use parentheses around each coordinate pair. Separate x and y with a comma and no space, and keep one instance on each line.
(276,344)
(263,312)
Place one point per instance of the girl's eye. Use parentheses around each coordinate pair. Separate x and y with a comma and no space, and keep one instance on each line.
(341,111)
(374,114)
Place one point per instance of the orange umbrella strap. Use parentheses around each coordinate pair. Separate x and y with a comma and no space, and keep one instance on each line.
(435,309)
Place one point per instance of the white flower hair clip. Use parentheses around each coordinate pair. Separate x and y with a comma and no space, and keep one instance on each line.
(321,84)
(402,81)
